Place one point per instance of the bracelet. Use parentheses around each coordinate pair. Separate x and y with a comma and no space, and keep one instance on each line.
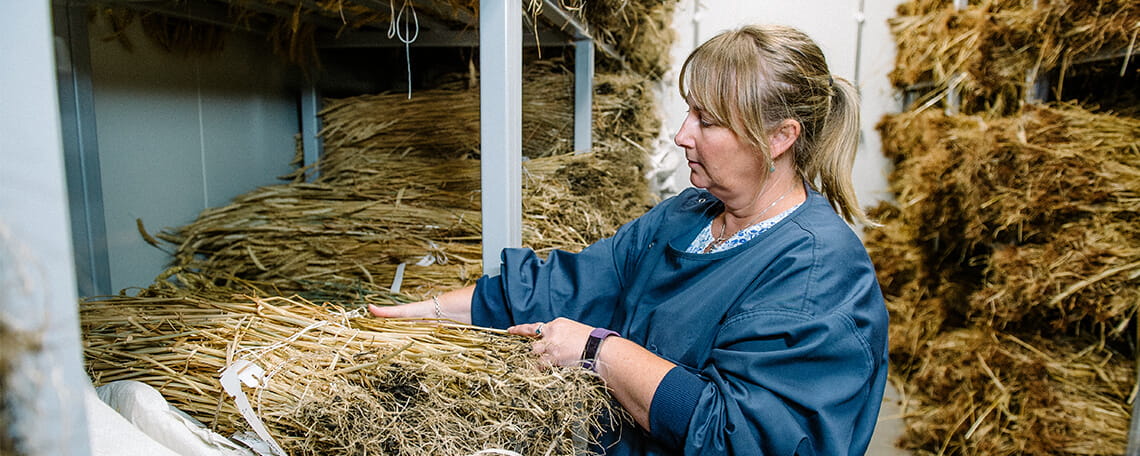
(438,313)
(590,354)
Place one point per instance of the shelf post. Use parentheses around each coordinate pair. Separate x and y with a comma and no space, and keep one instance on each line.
(310,129)
(500,127)
(583,95)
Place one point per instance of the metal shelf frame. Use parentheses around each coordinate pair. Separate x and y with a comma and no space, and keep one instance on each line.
(498,31)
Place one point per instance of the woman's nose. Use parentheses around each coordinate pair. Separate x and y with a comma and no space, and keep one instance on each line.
(683,138)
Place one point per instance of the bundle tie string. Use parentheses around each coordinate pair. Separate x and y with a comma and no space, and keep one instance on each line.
(406,36)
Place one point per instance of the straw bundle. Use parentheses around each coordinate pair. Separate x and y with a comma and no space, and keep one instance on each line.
(1008,232)
(639,29)
(980,392)
(349,235)
(391,194)
(391,121)
(339,383)
(13,344)
(995,49)
(1049,197)
(622,112)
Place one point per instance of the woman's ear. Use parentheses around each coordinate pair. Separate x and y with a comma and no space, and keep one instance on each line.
(785,136)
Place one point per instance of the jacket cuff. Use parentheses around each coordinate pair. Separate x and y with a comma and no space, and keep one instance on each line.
(673,405)
(487,304)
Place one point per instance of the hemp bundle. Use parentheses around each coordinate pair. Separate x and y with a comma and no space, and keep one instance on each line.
(444,122)
(982,392)
(339,383)
(1010,232)
(1010,260)
(639,30)
(392,122)
(395,187)
(1042,205)
(994,50)
(344,241)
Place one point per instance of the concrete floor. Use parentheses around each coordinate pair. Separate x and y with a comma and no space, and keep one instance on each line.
(889,428)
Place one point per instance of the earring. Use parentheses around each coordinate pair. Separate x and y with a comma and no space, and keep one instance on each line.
(772,167)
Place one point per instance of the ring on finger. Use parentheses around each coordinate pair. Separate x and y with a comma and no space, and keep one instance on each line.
(538,330)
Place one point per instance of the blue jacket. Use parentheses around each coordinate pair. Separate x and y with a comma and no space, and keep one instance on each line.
(780,343)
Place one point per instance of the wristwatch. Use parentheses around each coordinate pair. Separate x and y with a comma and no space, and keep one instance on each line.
(590,354)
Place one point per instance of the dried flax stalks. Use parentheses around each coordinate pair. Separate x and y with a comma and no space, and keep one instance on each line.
(1011,264)
(343,240)
(993,50)
(396,190)
(1011,259)
(340,383)
(391,194)
(987,392)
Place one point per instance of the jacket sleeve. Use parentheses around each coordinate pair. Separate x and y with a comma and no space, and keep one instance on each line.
(580,286)
(781,382)
(583,286)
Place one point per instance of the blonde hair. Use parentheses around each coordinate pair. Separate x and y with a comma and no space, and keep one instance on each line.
(752,79)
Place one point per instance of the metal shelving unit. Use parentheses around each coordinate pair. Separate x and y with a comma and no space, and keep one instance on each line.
(500,30)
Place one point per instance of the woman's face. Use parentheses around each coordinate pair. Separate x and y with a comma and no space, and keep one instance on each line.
(718,160)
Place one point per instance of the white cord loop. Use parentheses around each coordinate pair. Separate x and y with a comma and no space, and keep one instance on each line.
(406,36)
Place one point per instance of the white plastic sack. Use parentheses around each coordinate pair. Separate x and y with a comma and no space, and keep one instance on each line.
(144,406)
(112,435)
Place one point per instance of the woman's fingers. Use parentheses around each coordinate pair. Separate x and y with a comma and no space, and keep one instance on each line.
(412,310)
(559,341)
(527,329)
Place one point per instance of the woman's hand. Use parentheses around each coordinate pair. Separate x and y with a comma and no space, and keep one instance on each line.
(631,372)
(560,341)
(454,305)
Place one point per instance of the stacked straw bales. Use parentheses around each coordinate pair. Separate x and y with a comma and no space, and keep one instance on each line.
(396,190)
(338,382)
(994,50)
(1011,257)
(639,30)
(387,195)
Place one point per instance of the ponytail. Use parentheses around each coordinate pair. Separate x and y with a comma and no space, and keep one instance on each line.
(828,167)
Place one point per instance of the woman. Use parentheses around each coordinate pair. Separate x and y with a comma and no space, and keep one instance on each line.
(739,317)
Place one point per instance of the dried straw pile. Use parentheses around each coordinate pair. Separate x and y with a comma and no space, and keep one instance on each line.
(1056,396)
(623,112)
(345,238)
(640,30)
(1011,258)
(11,346)
(338,383)
(994,49)
(395,187)
(398,185)
(637,29)
(1010,264)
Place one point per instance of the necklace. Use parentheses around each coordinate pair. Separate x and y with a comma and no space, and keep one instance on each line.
(716,242)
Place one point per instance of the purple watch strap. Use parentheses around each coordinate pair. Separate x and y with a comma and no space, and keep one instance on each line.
(590,354)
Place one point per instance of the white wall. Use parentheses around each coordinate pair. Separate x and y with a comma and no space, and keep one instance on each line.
(180,134)
(856,41)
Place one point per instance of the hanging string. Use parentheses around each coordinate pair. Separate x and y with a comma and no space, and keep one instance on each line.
(406,35)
